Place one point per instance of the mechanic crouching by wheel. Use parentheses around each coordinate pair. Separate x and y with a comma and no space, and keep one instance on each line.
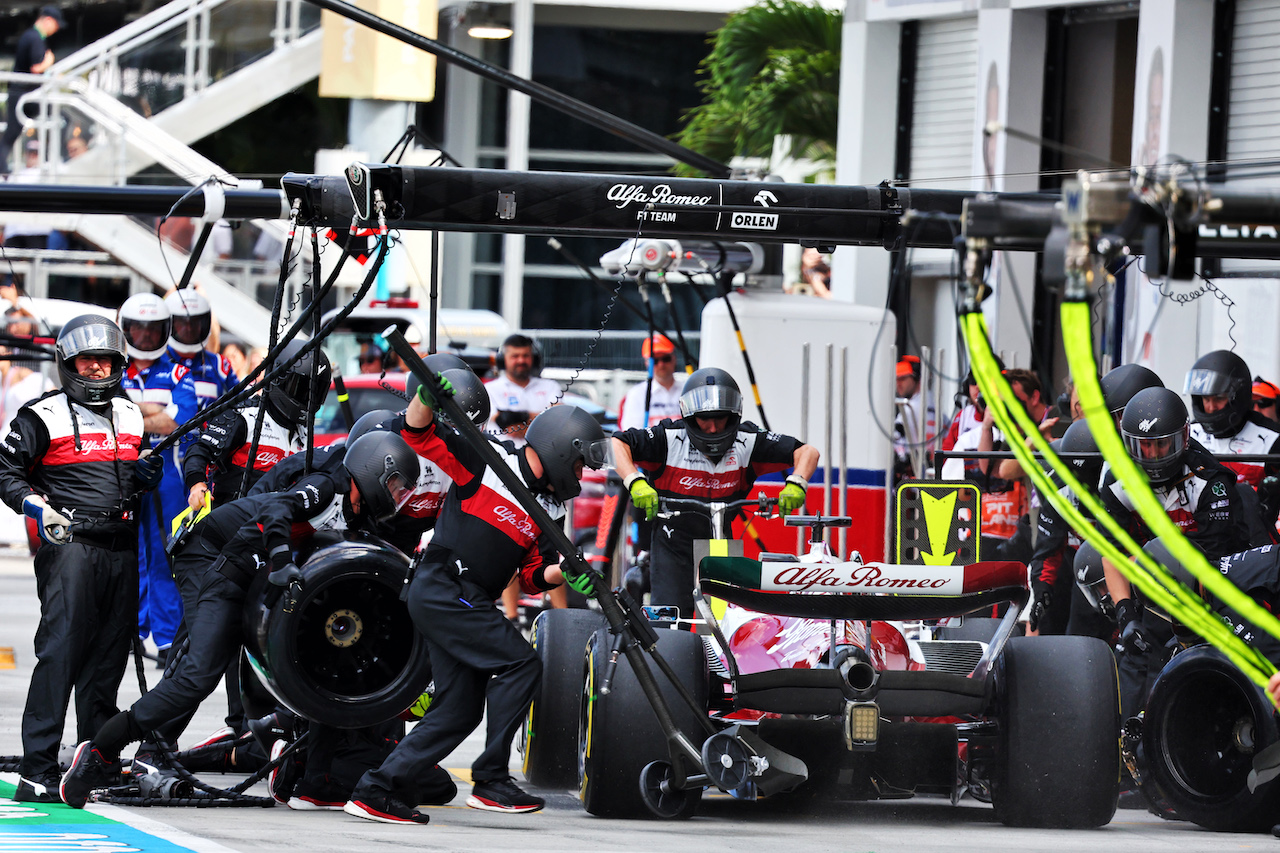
(70,461)
(482,538)
(215,566)
(711,455)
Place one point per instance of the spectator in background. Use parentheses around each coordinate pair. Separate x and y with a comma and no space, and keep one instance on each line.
(660,395)
(517,395)
(913,424)
(815,275)
(235,354)
(33,56)
(1265,396)
(372,358)
(256,355)
(22,380)
(30,233)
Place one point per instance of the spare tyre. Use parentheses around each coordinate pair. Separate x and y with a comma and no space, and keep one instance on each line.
(346,653)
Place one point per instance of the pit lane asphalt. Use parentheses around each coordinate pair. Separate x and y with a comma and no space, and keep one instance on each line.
(722,824)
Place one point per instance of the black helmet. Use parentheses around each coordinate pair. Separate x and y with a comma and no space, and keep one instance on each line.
(1220,373)
(1121,383)
(302,389)
(1156,433)
(563,436)
(90,334)
(711,392)
(468,390)
(368,422)
(385,470)
(1078,439)
(1092,580)
(442,361)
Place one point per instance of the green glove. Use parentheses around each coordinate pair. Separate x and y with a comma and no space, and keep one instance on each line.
(580,583)
(791,498)
(426,398)
(645,497)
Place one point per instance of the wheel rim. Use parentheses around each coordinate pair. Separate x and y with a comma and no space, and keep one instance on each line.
(354,638)
(1210,737)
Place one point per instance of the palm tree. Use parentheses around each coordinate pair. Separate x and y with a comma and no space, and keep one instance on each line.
(774,68)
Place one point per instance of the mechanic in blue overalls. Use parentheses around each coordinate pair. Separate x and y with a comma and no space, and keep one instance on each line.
(167,396)
(192,322)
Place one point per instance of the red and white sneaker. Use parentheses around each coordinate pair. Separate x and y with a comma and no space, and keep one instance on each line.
(222,735)
(384,810)
(503,795)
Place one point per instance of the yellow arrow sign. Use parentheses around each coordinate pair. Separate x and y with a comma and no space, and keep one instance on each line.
(938,514)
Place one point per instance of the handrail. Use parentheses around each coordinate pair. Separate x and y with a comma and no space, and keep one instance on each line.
(132,35)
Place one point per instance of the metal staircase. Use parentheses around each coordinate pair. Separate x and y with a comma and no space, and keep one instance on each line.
(144,94)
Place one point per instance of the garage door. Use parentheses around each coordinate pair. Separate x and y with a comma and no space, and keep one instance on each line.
(942,120)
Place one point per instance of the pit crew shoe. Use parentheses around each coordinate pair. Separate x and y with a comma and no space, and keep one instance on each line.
(88,770)
(326,796)
(284,778)
(42,789)
(222,735)
(503,795)
(384,810)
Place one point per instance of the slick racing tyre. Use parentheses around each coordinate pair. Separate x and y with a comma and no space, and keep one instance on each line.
(550,737)
(346,654)
(619,734)
(1204,723)
(1057,708)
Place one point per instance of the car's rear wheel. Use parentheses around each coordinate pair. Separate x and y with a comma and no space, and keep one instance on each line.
(1057,707)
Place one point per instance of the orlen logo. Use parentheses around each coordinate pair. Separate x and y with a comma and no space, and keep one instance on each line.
(521,523)
(1147,424)
(625,194)
(856,577)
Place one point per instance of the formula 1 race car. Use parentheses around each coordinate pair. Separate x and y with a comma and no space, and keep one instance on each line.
(839,678)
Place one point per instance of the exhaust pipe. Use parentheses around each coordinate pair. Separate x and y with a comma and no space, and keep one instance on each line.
(856,669)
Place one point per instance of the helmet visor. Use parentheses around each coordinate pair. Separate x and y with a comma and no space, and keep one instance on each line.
(399,489)
(192,330)
(710,399)
(599,454)
(1154,452)
(146,335)
(1207,383)
(92,338)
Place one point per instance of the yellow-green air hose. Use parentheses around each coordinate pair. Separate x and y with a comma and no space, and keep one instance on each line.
(1147,574)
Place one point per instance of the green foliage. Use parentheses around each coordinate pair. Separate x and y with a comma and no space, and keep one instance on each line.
(774,68)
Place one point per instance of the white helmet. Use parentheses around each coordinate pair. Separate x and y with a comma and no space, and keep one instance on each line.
(144,319)
(192,320)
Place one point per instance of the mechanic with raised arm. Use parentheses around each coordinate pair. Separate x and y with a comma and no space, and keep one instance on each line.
(70,461)
(166,394)
(1200,497)
(481,664)
(1223,420)
(709,454)
(216,462)
(215,566)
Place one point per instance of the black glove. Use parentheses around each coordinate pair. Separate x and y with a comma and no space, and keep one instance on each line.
(1041,601)
(285,575)
(1135,639)
(149,471)
(506,419)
